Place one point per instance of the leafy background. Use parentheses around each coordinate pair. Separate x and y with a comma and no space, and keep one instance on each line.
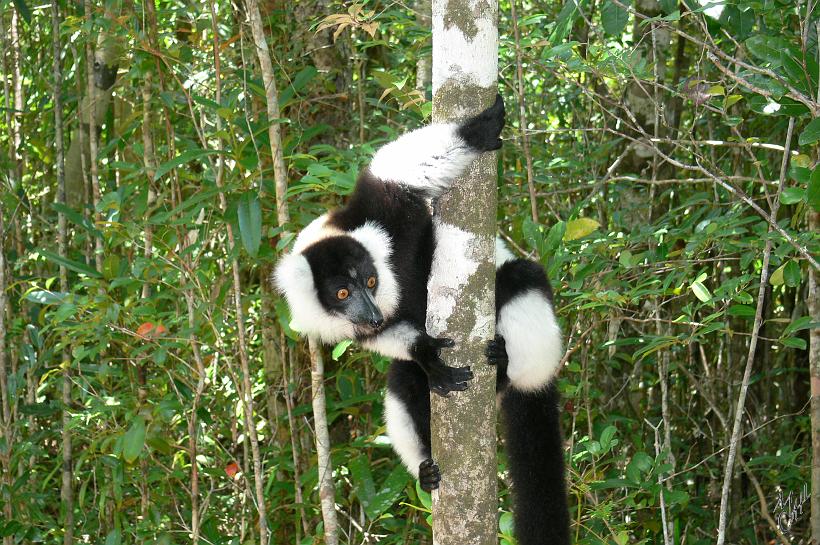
(647,133)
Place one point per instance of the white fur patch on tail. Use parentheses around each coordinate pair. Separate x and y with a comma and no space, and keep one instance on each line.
(533,339)
(502,253)
(427,159)
(402,433)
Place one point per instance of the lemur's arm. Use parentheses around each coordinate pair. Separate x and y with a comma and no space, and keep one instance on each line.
(427,160)
(405,341)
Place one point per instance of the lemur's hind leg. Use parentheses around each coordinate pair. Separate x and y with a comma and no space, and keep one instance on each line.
(407,416)
(429,159)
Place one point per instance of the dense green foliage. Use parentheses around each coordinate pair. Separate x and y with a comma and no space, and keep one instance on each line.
(650,137)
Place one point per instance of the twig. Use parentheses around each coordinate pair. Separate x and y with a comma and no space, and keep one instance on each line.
(741,402)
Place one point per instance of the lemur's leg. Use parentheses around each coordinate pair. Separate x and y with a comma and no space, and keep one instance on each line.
(526,322)
(407,416)
(405,341)
(428,159)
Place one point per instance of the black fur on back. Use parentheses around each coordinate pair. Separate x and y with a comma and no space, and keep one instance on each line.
(535,456)
(405,216)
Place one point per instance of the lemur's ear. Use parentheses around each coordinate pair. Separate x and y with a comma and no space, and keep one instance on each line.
(482,131)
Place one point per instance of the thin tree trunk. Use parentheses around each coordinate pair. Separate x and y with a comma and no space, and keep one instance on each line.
(67,489)
(424,63)
(93,139)
(327,492)
(465,68)
(814,370)
(734,442)
(522,114)
(5,424)
(274,131)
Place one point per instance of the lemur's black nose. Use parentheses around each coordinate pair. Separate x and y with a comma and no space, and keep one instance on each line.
(376,322)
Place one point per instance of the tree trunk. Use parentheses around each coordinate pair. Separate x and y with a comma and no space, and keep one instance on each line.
(461,302)
(814,370)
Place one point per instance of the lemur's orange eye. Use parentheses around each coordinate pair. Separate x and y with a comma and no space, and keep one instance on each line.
(342,294)
(371,282)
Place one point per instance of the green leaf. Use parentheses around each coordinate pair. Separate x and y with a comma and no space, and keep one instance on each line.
(791,274)
(792,195)
(181,159)
(579,228)
(741,310)
(363,482)
(794,342)
(75,266)
(566,18)
(776,279)
(22,9)
(389,493)
(134,440)
(250,222)
(113,538)
(340,348)
(813,191)
(614,18)
(701,292)
(811,133)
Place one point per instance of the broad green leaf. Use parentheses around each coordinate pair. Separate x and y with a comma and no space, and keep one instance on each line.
(505,523)
(792,195)
(813,191)
(134,439)
(566,18)
(794,342)
(45,297)
(741,310)
(363,481)
(811,133)
(776,279)
(340,348)
(701,292)
(579,228)
(250,222)
(75,266)
(181,159)
(791,274)
(389,493)
(614,18)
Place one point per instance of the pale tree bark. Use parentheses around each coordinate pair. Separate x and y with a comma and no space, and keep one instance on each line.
(103,65)
(67,486)
(5,416)
(814,370)
(327,492)
(424,64)
(460,300)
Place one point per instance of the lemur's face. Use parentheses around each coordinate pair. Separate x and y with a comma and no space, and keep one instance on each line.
(346,281)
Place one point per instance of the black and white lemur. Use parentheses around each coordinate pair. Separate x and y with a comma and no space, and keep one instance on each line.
(360,272)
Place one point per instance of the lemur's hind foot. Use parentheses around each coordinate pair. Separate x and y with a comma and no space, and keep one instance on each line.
(429,475)
(482,131)
(496,351)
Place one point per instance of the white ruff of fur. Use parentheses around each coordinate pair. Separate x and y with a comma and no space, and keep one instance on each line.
(393,342)
(533,340)
(427,159)
(294,279)
(502,253)
(403,434)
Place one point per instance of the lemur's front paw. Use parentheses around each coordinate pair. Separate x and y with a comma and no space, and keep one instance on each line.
(482,131)
(443,379)
(496,351)
(429,475)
